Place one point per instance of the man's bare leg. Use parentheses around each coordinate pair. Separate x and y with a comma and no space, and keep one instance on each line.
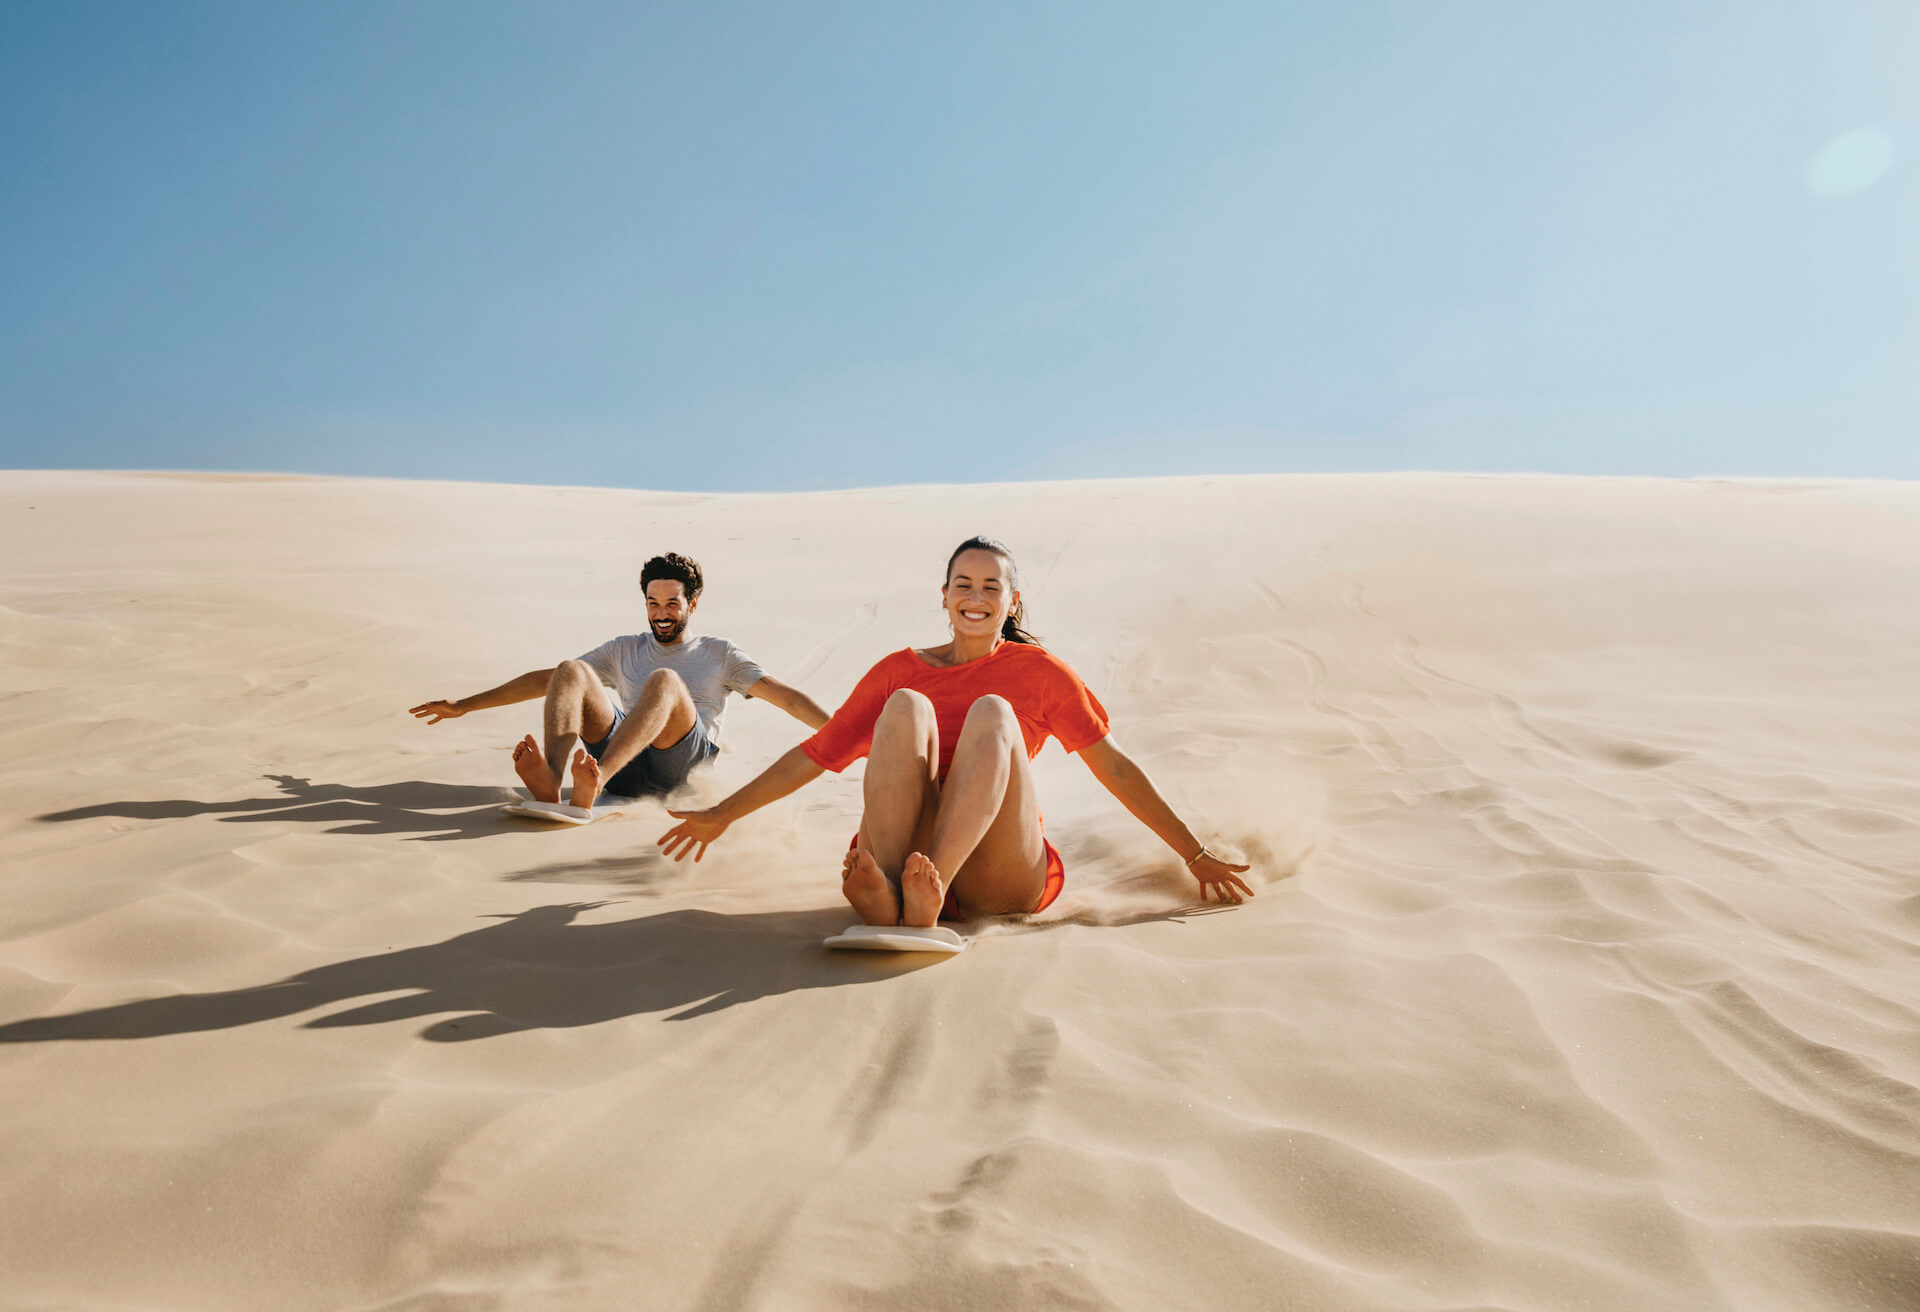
(586,779)
(986,831)
(531,766)
(900,795)
(577,706)
(661,715)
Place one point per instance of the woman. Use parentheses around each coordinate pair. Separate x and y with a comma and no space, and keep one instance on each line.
(952,824)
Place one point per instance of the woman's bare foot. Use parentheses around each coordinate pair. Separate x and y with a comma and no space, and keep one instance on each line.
(531,765)
(922,892)
(868,889)
(586,779)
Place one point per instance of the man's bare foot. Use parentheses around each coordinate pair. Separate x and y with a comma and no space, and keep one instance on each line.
(586,779)
(530,763)
(921,893)
(868,889)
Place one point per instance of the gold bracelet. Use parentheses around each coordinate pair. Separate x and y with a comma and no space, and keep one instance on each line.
(1197,855)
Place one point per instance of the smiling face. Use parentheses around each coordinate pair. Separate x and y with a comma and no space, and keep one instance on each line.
(668,610)
(979,594)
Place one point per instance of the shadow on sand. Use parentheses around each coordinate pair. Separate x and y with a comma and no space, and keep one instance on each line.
(415,807)
(535,970)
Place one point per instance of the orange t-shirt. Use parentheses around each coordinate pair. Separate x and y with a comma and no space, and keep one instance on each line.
(1047,698)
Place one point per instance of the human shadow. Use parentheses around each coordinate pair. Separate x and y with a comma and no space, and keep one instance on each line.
(535,970)
(1091,919)
(417,807)
(642,870)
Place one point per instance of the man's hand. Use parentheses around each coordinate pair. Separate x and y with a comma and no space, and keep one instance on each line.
(434,712)
(695,830)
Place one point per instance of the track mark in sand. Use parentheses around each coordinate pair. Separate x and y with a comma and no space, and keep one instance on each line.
(1007,1096)
(1356,598)
(893,1066)
(745,1256)
(957,1210)
(1406,655)
(814,661)
(1024,1073)
(1561,838)
(1368,734)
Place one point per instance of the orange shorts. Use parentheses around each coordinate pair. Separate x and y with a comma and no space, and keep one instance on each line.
(1056,880)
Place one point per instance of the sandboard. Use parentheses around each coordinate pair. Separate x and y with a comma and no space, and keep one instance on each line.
(559,813)
(898,938)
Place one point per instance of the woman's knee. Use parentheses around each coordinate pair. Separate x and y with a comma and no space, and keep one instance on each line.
(992,714)
(908,705)
(992,707)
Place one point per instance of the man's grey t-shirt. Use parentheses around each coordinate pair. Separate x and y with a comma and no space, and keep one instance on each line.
(711,668)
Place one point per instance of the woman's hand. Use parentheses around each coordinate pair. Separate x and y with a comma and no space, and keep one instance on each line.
(1219,878)
(1119,775)
(695,830)
(438,711)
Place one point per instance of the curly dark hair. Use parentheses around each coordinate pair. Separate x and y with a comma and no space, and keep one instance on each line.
(673,565)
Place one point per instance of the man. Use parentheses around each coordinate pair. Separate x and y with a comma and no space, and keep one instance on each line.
(669,695)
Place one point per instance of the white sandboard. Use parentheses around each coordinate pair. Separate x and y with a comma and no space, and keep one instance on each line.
(898,938)
(559,813)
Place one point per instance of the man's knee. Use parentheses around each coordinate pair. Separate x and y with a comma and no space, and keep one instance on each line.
(665,684)
(572,674)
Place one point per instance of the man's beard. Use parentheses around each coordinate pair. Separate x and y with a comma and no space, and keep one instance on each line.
(667,632)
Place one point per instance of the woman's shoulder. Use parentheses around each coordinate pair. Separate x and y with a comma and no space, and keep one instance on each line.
(1032,660)
(896,664)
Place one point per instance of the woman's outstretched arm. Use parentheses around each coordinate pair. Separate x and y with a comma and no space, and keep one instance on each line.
(699,828)
(1118,773)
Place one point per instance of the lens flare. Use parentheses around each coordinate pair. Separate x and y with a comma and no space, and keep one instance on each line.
(1850,163)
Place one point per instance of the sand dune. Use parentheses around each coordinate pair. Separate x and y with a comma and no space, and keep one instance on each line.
(1583,971)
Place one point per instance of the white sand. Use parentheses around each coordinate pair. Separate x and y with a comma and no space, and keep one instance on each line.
(1583,972)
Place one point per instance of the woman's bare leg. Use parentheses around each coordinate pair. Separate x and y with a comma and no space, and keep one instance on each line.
(900,794)
(986,828)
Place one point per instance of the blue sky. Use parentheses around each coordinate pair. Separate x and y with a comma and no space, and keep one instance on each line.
(785,246)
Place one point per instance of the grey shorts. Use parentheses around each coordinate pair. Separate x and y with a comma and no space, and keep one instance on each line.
(657,770)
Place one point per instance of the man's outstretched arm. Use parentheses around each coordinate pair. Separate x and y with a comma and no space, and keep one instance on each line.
(791,700)
(523,689)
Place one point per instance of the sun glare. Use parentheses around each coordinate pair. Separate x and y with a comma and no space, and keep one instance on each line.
(1850,163)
